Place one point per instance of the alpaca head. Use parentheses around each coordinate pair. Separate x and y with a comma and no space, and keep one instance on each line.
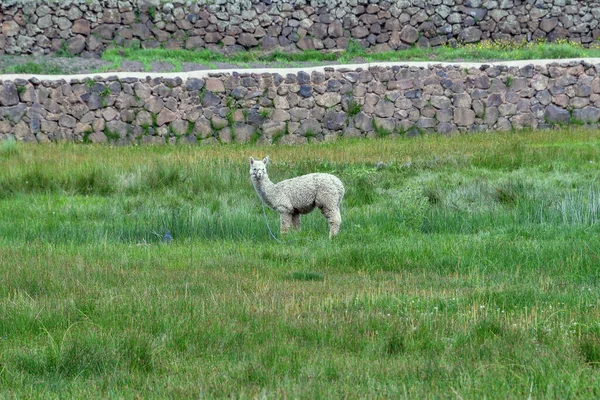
(258,169)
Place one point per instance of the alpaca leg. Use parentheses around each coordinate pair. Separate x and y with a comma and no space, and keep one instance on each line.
(296,221)
(334,219)
(286,221)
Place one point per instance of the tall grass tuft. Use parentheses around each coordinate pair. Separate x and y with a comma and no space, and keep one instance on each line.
(589,347)
(8,147)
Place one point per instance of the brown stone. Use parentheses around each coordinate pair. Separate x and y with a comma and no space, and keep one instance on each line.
(214,85)
(165,116)
(10,28)
(82,27)
(76,44)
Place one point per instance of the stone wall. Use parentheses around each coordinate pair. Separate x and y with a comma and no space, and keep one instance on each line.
(87,27)
(269,107)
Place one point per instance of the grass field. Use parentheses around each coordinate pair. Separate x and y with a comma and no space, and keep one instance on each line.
(113,58)
(483,51)
(476,52)
(466,267)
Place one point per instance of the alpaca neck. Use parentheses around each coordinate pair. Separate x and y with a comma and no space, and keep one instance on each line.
(264,187)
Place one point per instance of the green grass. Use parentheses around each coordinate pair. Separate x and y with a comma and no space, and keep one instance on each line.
(34,68)
(466,267)
(484,51)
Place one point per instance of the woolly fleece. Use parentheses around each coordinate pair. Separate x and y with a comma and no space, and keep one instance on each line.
(301,195)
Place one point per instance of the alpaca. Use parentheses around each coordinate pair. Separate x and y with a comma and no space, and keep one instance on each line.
(296,196)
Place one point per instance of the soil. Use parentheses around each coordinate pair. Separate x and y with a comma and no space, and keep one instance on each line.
(77,65)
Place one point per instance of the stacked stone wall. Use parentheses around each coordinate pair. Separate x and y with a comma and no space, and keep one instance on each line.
(87,27)
(295,108)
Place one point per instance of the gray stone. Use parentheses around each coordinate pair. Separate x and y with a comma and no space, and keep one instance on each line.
(210,100)
(335,29)
(97,137)
(526,120)
(305,91)
(583,90)
(218,122)
(104,31)
(189,140)
(384,109)
(118,127)
(446,128)
(67,121)
(579,102)
(247,40)
(335,120)
(491,115)
(494,100)
(462,100)
(272,128)
(503,124)
(409,34)
(386,124)
(280,115)
(557,115)
(9,96)
(539,82)
(292,140)
(46,22)
(153,140)
(464,116)
(109,114)
(426,123)
(202,128)
(48,126)
(310,127)
(544,97)
(281,102)
(363,122)
(413,94)
(243,133)
(225,135)
(547,24)
(141,31)
(143,118)
(154,105)
(328,99)
(590,115)
(179,127)
(440,102)
(194,84)
(360,32)
(482,82)
(75,45)
(470,35)
(299,114)
(142,90)
(13,114)
(23,133)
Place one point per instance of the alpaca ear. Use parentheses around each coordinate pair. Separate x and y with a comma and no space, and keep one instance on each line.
(266,160)
(251,160)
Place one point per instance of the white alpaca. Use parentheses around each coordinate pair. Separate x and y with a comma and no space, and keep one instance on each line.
(300,195)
